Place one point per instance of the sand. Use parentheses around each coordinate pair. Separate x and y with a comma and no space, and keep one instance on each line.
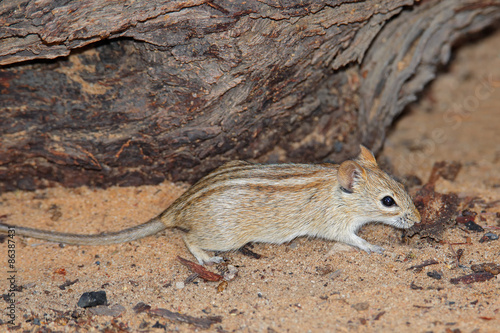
(308,285)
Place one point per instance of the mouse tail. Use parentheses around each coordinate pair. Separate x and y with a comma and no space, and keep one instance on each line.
(149,228)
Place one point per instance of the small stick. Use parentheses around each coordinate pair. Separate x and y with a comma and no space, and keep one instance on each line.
(200,270)
(422,265)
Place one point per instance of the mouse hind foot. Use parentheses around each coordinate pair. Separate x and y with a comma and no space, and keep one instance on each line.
(200,254)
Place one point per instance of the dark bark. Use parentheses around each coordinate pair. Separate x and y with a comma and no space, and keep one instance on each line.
(142,91)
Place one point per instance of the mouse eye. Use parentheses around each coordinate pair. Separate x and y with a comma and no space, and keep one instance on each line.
(388,201)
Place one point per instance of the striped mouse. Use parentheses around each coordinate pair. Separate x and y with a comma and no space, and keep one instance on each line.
(242,202)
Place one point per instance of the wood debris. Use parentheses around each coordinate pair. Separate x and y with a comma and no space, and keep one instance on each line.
(204,323)
(200,270)
(486,267)
(418,268)
(437,210)
(472,278)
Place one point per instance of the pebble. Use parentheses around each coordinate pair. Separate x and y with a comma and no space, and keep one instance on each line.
(491,236)
(435,275)
(179,285)
(361,306)
(102,310)
(231,273)
(93,298)
(472,226)
(141,307)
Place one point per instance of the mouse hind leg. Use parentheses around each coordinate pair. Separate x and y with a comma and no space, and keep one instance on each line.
(200,254)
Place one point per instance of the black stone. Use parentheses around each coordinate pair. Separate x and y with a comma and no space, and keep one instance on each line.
(472,226)
(93,298)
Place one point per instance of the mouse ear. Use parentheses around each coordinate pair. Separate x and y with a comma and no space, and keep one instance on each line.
(349,174)
(366,156)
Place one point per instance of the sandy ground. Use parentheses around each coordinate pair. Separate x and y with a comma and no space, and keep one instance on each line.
(306,285)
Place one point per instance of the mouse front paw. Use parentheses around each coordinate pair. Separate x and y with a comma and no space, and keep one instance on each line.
(214,260)
(361,244)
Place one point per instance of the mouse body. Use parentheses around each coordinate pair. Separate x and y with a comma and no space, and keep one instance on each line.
(242,202)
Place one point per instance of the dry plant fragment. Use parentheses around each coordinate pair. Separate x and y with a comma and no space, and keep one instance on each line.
(378,315)
(141,307)
(472,278)
(414,286)
(437,210)
(204,323)
(486,267)
(245,250)
(200,270)
(222,286)
(418,268)
(67,284)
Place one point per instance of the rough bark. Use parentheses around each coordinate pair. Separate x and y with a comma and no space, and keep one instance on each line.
(136,92)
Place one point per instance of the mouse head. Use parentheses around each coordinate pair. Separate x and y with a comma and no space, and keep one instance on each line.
(373,194)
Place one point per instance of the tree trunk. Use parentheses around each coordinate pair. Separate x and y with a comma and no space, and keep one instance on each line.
(97,92)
